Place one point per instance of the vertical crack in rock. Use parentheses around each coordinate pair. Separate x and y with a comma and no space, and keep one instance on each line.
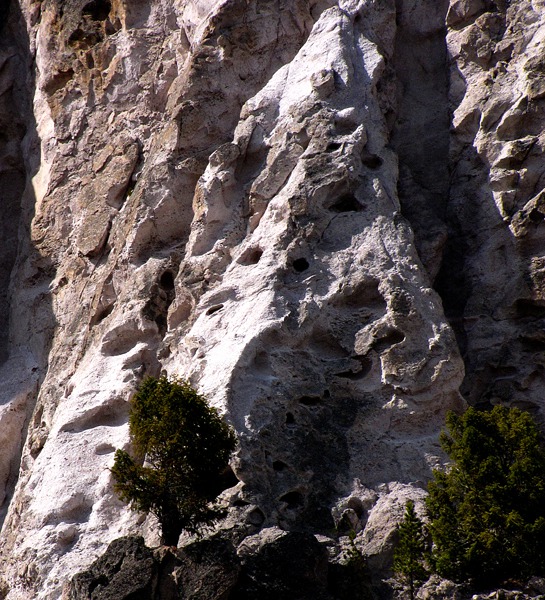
(421,133)
(12,168)
(492,272)
(473,195)
(26,321)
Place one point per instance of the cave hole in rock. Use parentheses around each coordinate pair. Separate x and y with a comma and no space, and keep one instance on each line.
(310,400)
(293,499)
(355,374)
(83,37)
(102,313)
(371,161)
(251,256)
(166,281)
(532,344)
(98,10)
(347,203)
(327,394)
(256,517)
(240,503)
(59,81)
(290,420)
(536,216)
(109,28)
(364,294)
(356,505)
(37,419)
(279,465)
(106,415)
(162,295)
(349,522)
(100,581)
(390,338)
(300,264)
(332,146)
(226,480)
(104,448)
(529,308)
(214,309)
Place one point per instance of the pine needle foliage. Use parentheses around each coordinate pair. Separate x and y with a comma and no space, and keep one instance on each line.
(411,553)
(487,512)
(181,448)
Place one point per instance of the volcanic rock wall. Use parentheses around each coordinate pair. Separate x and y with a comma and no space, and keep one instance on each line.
(327,215)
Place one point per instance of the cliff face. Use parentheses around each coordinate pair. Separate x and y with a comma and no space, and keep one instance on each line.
(328,215)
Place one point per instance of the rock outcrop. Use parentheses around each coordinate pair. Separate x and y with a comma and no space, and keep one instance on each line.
(326,214)
(273,565)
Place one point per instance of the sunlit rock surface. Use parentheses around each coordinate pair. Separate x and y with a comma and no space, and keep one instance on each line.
(327,215)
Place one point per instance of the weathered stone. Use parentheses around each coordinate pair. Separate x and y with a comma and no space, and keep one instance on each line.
(326,213)
(127,571)
(209,570)
(441,589)
(278,565)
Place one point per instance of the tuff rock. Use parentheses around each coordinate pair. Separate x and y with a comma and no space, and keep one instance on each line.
(326,214)
(273,565)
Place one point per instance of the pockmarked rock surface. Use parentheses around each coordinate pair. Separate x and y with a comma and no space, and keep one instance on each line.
(326,214)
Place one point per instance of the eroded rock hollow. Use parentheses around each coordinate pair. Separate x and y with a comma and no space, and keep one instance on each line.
(326,214)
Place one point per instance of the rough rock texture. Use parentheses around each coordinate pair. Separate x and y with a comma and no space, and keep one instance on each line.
(326,213)
(495,214)
(441,589)
(278,566)
(272,565)
(126,570)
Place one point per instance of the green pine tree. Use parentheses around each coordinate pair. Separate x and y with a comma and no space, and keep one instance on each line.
(487,512)
(411,552)
(186,447)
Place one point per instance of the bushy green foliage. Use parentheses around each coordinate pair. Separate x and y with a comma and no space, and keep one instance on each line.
(185,445)
(487,512)
(411,553)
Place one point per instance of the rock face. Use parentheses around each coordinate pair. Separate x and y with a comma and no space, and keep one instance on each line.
(127,570)
(327,214)
(498,306)
(273,565)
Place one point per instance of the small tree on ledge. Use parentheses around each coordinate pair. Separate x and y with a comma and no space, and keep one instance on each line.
(186,447)
(412,552)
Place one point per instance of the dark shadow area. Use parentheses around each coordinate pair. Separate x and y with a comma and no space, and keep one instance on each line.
(471,256)
(4,11)
(421,133)
(13,129)
(489,280)
(19,162)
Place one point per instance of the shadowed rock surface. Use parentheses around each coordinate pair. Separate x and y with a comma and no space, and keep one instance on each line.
(273,565)
(326,214)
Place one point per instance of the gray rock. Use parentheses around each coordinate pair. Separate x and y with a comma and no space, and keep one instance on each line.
(328,214)
(126,571)
(282,566)
(209,570)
